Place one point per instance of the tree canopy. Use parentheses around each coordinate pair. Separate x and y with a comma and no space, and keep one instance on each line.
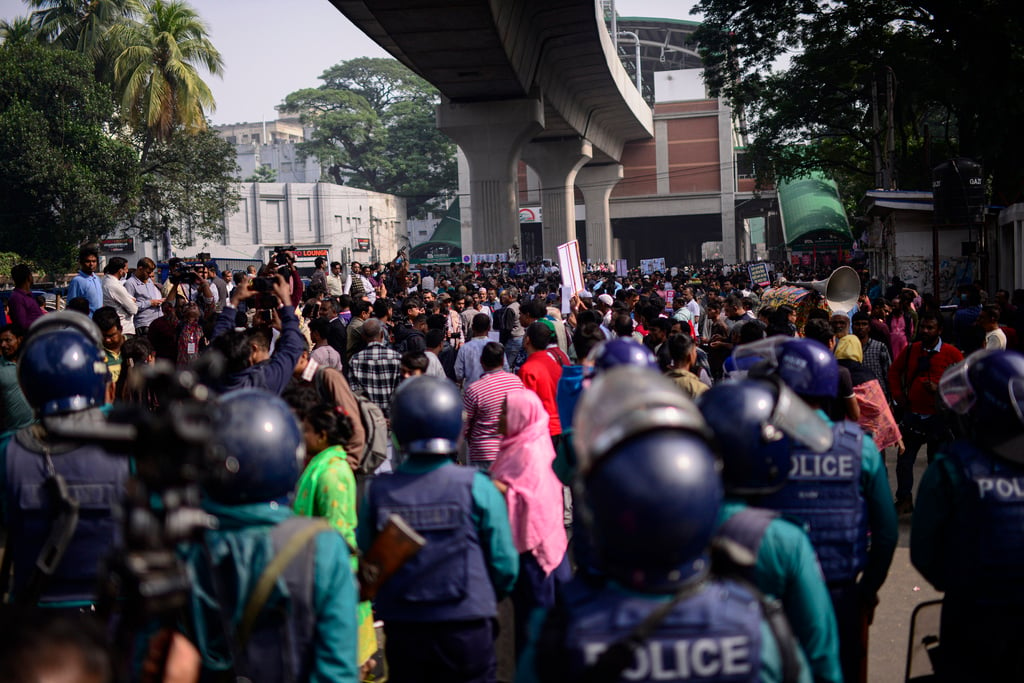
(373,127)
(809,80)
(103,114)
(63,179)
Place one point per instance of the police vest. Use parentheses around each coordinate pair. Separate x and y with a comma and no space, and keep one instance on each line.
(986,551)
(823,492)
(714,635)
(96,480)
(448,579)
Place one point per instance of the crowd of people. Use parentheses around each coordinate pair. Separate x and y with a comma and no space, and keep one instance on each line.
(671,475)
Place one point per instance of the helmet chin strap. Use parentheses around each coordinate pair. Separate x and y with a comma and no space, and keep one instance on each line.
(1011,449)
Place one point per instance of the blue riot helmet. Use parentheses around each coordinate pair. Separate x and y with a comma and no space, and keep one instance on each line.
(755,423)
(615,352)
(426,416)
(806,366)
(988,389)
(648,481)
(63,368)
(259,442)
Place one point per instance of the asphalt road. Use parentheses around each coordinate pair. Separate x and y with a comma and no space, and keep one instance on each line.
(903,590)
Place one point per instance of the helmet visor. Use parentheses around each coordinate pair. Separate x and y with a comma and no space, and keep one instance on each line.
(800,422)
(1017,396)
(955,388)
(763,349)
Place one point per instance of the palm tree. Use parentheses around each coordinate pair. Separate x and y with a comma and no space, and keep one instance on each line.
(156,72)
(80,25)
(18,30)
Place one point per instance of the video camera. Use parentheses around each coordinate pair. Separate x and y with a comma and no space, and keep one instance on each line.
(282,255)
(183,275)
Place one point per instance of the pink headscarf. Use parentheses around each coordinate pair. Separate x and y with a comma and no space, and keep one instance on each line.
(534,493)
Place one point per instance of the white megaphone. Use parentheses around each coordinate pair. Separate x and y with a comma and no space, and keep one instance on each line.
(840,289)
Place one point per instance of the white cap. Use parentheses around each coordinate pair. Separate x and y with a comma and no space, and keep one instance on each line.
(606,299)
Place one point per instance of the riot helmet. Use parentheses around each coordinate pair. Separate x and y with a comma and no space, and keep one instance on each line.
(806,366)
(988,390)
(616,352)
(648,481)
(63,368)
(426,416)
(756,424)
(259,442)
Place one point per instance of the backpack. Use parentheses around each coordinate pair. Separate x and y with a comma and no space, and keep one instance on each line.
(375,449)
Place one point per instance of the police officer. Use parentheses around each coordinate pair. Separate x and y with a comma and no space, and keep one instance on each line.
(59,493)
(651,493)
(755,424)
(440,609)
(293,619)
(842,496)
(967,537)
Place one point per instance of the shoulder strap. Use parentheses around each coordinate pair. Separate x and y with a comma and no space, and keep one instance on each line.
(619,656)
(265,584)
(747,527)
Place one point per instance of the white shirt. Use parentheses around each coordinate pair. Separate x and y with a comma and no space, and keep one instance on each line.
(115,295)
(996,339)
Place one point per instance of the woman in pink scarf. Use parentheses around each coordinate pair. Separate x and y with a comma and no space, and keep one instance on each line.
(522,471)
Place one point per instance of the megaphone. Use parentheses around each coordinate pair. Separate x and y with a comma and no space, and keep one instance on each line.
(840,289)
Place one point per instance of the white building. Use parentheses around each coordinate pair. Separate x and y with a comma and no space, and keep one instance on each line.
(339,222)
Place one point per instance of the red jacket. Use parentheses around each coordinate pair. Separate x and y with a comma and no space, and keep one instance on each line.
(540,374)
(910,374)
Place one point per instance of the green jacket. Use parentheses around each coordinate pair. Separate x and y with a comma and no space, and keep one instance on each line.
(244,538)
(787,568)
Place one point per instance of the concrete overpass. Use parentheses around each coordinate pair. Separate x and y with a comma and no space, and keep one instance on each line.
(531,79)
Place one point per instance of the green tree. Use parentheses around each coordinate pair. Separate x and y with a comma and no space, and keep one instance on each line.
(156,70)
(373,128)
(83,26)
(810,82)
(189,186)
(63,179)
(18,30)
(263,174)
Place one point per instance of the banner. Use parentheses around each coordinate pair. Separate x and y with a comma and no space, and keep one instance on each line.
(649,266)
(621,267)
(571,271)
(759,274)
(569,266)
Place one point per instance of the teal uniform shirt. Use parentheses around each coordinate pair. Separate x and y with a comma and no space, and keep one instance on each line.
(244,534)
(771,658)
(787,568)
(934,512)
(490,515)
(882,521)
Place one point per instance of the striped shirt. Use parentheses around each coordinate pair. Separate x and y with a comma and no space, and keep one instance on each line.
(483,402)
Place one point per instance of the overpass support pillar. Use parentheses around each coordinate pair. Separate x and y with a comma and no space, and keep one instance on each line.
(491,135)
(557,162)
(596,183)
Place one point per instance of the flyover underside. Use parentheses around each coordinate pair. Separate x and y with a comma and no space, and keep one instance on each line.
(677,239)
(478,51)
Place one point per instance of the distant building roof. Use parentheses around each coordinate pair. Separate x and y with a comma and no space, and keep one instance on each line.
(884,202)
(811,211)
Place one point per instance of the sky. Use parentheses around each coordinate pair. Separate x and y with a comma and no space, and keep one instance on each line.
(274,47)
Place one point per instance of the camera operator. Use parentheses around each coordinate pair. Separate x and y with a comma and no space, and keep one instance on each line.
(58,494)
(247,352)
(284,258)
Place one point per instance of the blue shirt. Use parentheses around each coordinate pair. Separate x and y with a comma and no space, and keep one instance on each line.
(89,286)
(467,363)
